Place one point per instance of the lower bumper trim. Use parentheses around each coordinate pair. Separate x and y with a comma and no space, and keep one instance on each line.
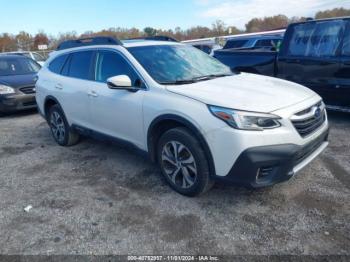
(268,165)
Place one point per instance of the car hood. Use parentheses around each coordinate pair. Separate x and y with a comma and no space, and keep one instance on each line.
(16,81)
(247,92)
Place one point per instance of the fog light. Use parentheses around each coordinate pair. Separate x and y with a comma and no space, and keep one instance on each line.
(264,173)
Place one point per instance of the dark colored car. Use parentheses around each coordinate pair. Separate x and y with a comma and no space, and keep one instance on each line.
(17,83)
(315,54)
(155,38)
(266,42)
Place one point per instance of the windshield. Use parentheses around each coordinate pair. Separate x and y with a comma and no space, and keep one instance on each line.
(17,66)
(174,64)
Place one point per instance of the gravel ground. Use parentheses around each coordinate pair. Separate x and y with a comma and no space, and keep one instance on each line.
(99,198)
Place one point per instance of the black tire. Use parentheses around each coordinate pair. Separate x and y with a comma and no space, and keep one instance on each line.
(65,136)
(197,171)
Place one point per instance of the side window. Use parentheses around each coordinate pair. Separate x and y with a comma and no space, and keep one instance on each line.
(80,64)
(346,42)
(112,64)
(264,43)
(325,39)
(300,38)
(320,39)
(57,64)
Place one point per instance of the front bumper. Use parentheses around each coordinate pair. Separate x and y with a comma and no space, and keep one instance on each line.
(267,165)
(17,102)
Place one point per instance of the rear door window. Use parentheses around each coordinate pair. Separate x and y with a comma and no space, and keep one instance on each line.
(80,65)
(319,39)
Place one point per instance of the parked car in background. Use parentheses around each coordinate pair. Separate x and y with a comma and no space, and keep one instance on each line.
(155,38)
(315,54)
(33,55)
(192,115)
(17,83)
(262,42)
(207,48)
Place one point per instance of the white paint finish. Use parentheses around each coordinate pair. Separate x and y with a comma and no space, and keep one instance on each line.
(246,92)
(128,115)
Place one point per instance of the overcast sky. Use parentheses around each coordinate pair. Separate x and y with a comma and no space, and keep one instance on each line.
(83,15)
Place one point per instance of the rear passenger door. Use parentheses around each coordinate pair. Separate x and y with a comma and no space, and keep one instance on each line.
(117,113)
(311,56)
(74,87)
(344,73)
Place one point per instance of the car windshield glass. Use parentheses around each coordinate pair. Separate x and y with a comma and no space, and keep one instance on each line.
(178,64)
(17,66)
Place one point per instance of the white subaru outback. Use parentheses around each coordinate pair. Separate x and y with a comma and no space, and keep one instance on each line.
(193,116)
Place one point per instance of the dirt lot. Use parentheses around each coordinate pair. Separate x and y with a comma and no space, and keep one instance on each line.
(98,198)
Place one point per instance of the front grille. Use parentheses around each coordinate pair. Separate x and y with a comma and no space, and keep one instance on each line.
(309,120)
(310,148)
(28,89)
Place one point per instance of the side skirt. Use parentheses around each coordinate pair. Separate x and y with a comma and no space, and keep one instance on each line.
(107,138)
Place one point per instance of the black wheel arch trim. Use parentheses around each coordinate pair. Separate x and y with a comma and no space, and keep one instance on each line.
(186,123)
(49,97)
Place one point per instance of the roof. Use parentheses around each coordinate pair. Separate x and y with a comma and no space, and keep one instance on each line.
(133,43)
(126,44)
(262,37)
(12,55)
(213,39)
(323,19)
(17,52)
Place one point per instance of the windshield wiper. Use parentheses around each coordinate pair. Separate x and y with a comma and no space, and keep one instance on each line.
(178,82)
(208,77)
(194,79)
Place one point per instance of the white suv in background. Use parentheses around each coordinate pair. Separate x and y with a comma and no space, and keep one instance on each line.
(193,116)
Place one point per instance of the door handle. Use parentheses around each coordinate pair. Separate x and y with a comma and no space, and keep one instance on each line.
(93,94)
(59,86)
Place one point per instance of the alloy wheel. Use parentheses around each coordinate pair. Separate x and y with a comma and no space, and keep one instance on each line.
(179,164)
(57,126)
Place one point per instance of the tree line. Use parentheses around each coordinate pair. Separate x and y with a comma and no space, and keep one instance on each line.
(26,41)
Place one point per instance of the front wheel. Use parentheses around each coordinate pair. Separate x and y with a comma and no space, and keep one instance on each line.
(183,162)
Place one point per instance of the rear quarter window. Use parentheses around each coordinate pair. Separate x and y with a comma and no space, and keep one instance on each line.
(56,65)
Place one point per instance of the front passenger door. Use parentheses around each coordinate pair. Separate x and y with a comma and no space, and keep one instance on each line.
(117,113)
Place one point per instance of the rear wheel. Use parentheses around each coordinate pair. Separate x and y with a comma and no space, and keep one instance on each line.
(183,162)
(60,129)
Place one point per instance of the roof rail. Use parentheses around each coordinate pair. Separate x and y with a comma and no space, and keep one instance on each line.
(156,38)
(99,40)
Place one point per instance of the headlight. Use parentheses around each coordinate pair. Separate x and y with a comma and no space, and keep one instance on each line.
(4,90)
(246,120)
